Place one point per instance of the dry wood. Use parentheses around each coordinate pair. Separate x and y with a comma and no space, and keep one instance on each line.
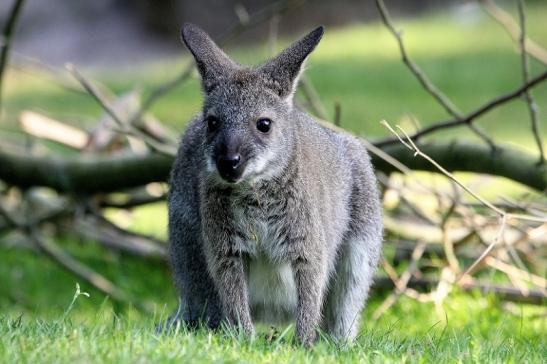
(47,128)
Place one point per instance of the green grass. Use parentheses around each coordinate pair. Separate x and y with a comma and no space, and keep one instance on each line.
(38,323)
(359,67)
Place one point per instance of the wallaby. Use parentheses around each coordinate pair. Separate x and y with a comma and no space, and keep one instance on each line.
(272,216)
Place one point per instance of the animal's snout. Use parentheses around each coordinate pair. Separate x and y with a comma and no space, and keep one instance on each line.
(230,166)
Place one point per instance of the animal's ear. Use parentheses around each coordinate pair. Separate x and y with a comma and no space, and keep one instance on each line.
(213,64)
(283,70)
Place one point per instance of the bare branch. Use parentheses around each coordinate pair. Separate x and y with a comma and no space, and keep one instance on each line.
(112,236)
(532,106)
(469,118)
(314,101)
(402,283)
(125,126)
(416,71)
(107,173)
(7,35)
(409,143)
(433,90)
(511,26)
(69,263)
(504,292)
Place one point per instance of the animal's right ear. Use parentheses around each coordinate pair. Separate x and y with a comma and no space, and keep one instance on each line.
(213,64)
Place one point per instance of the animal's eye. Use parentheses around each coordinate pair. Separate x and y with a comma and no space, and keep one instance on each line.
(212,123)
(264,125)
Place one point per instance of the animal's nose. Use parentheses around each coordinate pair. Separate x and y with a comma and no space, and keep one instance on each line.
(230,161)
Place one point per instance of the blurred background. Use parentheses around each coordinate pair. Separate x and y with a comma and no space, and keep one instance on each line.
(87,84)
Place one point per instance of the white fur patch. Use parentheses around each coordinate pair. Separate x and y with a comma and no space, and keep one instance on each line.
(210,165)
(261,169)
(272,287)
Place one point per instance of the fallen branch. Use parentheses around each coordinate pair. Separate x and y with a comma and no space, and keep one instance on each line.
(507,293)
(116,238)
(46,128)
(107,173)
(69,263)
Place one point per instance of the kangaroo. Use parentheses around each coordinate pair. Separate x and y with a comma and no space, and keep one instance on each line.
(272,217)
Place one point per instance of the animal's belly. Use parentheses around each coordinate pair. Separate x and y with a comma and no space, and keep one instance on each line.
(272,291)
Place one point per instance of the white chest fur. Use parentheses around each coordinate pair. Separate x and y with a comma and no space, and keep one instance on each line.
(272,289)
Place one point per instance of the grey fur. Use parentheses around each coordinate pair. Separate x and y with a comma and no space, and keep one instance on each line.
(298,234)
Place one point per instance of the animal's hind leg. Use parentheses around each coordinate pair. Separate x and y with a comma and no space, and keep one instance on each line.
(349,287)
(199,302)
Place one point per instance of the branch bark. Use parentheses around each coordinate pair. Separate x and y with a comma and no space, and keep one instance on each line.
(7,34)
(91,174)
(504,292)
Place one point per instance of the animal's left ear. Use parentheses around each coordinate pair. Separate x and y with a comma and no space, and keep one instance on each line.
(283,70)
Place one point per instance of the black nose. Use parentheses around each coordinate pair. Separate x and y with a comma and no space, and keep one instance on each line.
(230,167)
(229,161)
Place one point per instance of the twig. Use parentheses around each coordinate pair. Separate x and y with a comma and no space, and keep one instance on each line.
(277,8)
(511,26)
(337,119)
(422,78)
(112,236)
(124,127)
(47,128)
(532,106)
(487,251)
(495,102)
(448,244)
(39,69)
(68,262)
(512,270)
(409,143)
(312,97)
(402,283)
(426,83)
(504,292)
(7,35)
(72,265)
(162,90)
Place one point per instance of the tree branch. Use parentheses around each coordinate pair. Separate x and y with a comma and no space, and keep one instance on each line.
(504,292)
(7,35)
(433,90)
(495,102)
(502,17)
(532,106)
(90,174)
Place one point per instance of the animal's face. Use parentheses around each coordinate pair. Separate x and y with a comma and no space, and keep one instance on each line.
(246,112)
(248,133)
